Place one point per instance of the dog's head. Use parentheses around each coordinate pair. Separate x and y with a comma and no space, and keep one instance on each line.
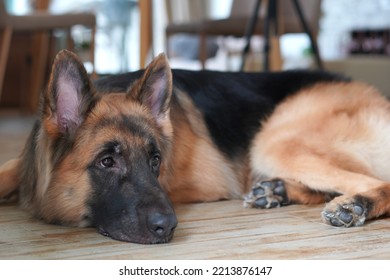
(107,153)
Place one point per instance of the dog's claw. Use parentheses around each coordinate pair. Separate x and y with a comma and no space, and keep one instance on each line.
(267,194)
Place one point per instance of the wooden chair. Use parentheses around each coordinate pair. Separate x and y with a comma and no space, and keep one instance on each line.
(237,22)
(43,24)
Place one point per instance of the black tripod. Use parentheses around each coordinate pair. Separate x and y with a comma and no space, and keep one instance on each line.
(271,18)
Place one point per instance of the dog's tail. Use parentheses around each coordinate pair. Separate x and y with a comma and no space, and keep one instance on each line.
(9,178)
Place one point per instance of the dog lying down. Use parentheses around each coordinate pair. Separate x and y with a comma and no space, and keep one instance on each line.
(116,153)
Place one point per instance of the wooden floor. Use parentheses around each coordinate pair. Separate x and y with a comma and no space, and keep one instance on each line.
(220,230)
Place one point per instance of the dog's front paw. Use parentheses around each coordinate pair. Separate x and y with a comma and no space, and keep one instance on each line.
(267,194)
(345,212)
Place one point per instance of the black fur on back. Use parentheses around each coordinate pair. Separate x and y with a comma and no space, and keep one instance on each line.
(233,103)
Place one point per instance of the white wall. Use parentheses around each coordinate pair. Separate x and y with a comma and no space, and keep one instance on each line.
(340,16)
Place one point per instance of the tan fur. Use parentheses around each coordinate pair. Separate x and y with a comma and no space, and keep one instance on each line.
(9,177)
(44,165)
(66,197)
(331,138)
(199,172)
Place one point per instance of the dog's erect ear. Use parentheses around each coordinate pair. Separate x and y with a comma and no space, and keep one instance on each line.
(68,95)
(154,89)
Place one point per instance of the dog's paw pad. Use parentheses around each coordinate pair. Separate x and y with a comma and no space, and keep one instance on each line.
(265,202)
(267,194)
(346,214)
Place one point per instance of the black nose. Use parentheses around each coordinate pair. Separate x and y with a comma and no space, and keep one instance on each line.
(162,225)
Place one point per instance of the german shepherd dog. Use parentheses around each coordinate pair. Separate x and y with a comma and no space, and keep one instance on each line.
(116,153)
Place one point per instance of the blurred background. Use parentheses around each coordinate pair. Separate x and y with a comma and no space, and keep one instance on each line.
(115,36)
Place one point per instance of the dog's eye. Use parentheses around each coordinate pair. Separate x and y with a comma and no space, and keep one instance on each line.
(107,162)
(155,162)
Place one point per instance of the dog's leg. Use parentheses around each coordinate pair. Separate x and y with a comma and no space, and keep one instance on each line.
(354,210)
(279,192)
(330,139)
(314,179)
(9,177)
